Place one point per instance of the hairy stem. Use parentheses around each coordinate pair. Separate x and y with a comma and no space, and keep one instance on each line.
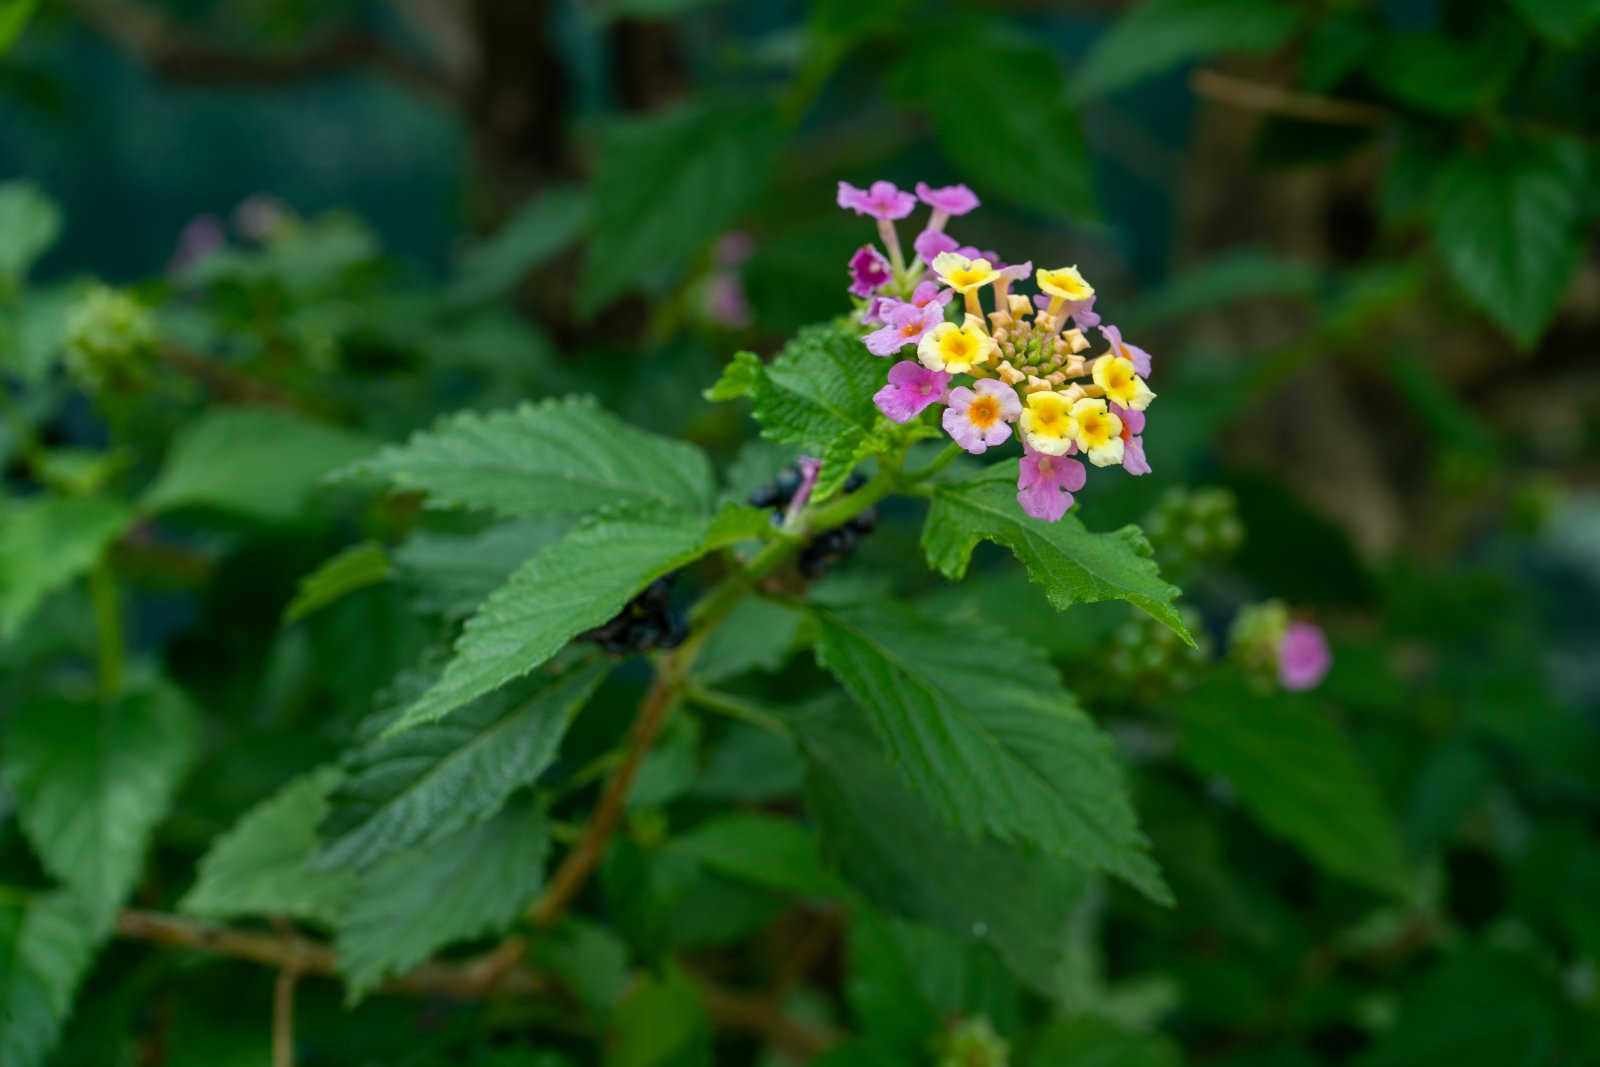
(734,708)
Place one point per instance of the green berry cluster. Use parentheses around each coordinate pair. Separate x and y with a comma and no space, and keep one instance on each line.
(1152,661)
(1194,526)
(1254,637)
(109,339)
(973,1042)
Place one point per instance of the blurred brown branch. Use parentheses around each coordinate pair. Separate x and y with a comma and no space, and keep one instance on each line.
(185,55)
(1275,100)
(481,976)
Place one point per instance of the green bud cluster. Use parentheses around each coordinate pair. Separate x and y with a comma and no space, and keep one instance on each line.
(109,339)
(972,1042)
(1152,661)
(1194,526)
(1254,637)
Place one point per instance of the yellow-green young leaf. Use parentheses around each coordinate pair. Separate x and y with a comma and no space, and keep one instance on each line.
(763,849)
(471,884)
(46,542)
(47,941)
(14,16)
(355,568)
(259,867)
(893,847)
(29,223)
(424,784)
(1297,774)
(91,780)
(667,183)
(1073,565)
(662,1023)
(1510,224)
(574,585)
(1159,34)
(566,456)
(817,394)
(254,462)
(989,738)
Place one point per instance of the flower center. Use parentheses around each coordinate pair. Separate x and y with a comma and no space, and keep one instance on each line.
(910,329)
(958,346)
(1094,428)
(983,412)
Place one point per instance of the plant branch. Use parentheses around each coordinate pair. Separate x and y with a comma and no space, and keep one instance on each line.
(470,979)
(1275,100)
(183,55)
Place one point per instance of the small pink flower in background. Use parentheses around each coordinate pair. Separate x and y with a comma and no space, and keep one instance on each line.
(981,416)
(200,236)
(911,389)
(883,200)
(869,271)
(1045,484)
(1138,356)
(1133,460)
(725,301)
(950,200)
(905,325)
(733,248)
(1303,656)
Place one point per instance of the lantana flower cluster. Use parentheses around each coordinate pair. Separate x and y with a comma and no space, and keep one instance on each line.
(1022,368)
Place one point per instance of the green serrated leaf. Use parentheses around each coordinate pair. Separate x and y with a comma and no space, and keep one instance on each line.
(1298,775)
(29,224)
(817,394)
(260,866)
(761,849)
(46,542)
(255,462)
(565,456)
(471,884)
(355,568)
(416,787)
(91,780)
(574,585)
(992,742)
(906,858)
(47,941)
(1073,565)
(452,573)
(667,183)
(1510,226)
(1159,34)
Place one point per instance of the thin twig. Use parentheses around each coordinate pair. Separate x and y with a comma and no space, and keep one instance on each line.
(468,980)
(1275,100)
(581,860)
(283,1018)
